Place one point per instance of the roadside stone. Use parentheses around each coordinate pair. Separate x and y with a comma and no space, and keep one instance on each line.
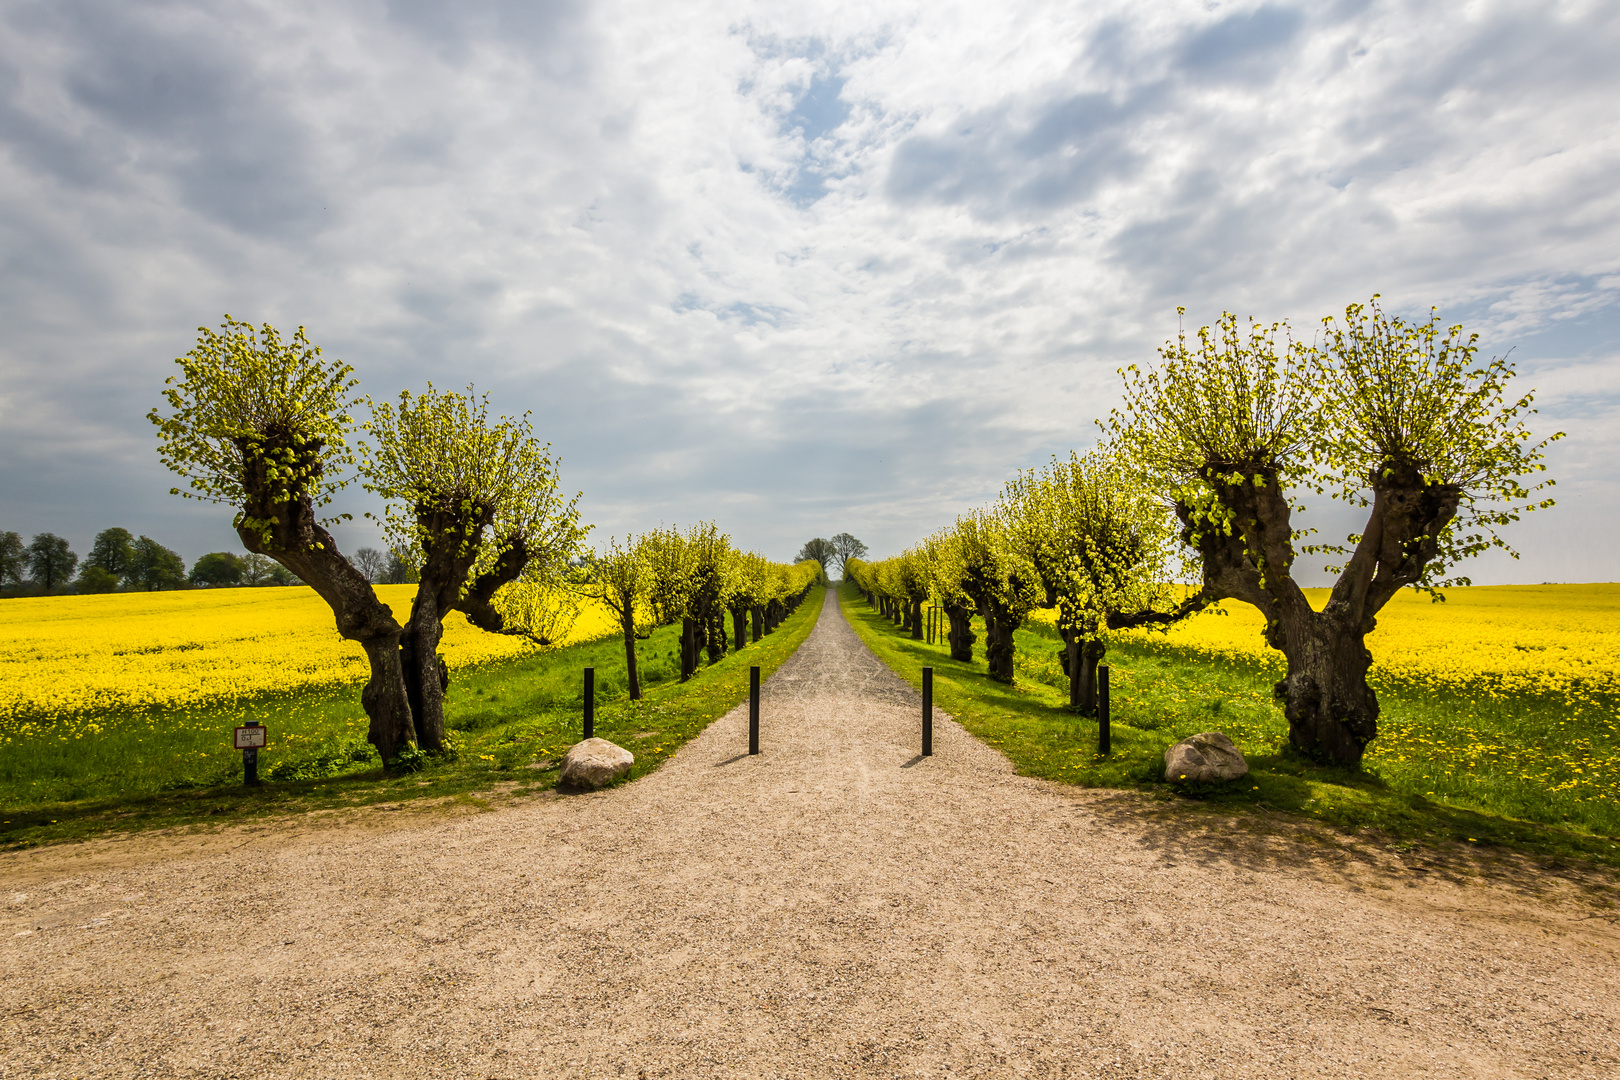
(1202,758)
(595,762)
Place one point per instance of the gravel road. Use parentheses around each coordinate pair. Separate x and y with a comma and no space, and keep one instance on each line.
(837,906)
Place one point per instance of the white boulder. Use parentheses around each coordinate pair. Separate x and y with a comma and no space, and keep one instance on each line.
(595,762)
(1202,758)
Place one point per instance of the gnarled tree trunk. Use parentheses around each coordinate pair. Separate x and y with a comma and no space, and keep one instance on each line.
(961,636)
(688,648)
(717,635)
(1080,656)
(999,649)
(627,624)
(916,620)
(293,536)
(1332,712)
(426,675)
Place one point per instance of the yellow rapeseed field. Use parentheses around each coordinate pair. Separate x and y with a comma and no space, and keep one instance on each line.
(1517,682)
(1500,640)
(87,656)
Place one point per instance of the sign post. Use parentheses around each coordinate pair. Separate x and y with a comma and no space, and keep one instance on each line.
(250,738)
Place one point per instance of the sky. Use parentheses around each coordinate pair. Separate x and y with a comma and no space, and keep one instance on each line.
(797,268)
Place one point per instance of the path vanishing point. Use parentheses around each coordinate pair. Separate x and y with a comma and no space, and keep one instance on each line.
(837,906)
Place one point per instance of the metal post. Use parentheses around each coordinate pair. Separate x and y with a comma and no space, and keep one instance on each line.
(753,710)
(250,760)
(1102,709)
(928,712)
(590,703)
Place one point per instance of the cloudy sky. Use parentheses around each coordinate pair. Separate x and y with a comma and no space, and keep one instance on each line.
(801,268)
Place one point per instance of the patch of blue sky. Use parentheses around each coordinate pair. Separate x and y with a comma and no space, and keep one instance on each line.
(739,312)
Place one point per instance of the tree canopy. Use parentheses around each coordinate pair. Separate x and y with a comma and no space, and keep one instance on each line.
(153,566)
(819,549)
(845,548)
(13,559)
(50,561)
(1402,419)
(217,568)
(113,551)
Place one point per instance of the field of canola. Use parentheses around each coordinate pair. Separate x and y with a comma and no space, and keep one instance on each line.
(1515,682)
(70,661)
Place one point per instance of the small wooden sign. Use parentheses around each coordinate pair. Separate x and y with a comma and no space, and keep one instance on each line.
(251,738)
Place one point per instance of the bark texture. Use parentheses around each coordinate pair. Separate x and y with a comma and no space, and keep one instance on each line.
(292,535)
(627,625)
(1079,657)
(1332,712)
(961,635)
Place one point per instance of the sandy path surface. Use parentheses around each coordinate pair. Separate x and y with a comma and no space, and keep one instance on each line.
(834,907)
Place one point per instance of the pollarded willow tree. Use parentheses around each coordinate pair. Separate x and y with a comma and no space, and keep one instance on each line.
(1402,419)
(262,424)
(1103,548)
(475,503)
(619,577)
(1003,583)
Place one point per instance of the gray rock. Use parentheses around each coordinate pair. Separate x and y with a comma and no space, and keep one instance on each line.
(595,762)
(1210,756)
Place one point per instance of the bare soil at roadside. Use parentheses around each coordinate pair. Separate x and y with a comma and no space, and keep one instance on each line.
(836,906)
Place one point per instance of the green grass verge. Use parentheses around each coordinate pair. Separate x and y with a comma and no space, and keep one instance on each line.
(1160,698)
(510,723)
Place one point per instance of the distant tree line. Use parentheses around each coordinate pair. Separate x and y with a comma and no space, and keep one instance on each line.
(841,548)
(121,562)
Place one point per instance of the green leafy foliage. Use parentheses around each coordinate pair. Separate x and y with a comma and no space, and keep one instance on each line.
(463,486)
(217,568)
(248,403)
(1399,396)
(50,561)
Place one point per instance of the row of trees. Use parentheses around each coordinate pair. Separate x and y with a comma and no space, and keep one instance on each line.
(1079,536)
(265,426)
(120,560)
(1200,475)
(696,578)
(472,510)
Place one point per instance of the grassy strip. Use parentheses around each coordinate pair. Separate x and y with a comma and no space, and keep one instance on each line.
(511,723)
(1161,699)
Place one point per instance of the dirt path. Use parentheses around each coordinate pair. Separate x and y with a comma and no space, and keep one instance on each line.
(834,907)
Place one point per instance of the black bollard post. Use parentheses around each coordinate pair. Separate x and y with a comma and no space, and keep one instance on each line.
(250,760)
(590,703)
(928,712)
(753,710)
(1103,733)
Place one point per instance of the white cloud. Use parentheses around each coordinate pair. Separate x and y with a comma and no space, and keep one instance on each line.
(805,268)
